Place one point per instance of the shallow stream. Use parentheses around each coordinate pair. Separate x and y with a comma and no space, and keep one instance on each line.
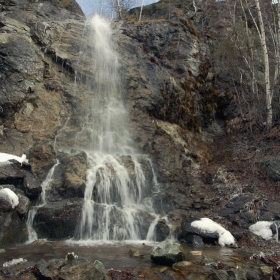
(117,256)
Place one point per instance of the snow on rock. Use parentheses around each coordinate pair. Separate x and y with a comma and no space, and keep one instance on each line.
(262,229)
(6,157)
(14,261)
(208,226)
(10,196)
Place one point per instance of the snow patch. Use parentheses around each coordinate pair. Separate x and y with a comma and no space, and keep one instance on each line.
(6,157)
(262,229)
(208,226)
(9,195)
(14,261)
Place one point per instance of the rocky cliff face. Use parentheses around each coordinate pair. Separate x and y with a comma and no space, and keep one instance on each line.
(175,109)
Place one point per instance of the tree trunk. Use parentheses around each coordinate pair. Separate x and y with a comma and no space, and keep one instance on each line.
(268,90)
(119,9)
(141,10)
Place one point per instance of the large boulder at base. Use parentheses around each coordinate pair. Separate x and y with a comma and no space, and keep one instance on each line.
(208,230)
(166,253)
(58,219)
(69,270)
(85,271)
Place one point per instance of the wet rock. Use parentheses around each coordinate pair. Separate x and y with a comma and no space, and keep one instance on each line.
(58,219)
(252,275)
(88,270)
(49,269)
(135,254)
(197,241)
(17,271)
(162,230)
(166,253)
(74,168)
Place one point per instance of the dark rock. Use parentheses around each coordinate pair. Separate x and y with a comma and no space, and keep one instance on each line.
(10,173)
(58,219)
(166,253)
(49,269)
(197,241)
(32,188)
(242,210)
(252,275)
(236,204)
(272,167)
(12,229)
(162,230)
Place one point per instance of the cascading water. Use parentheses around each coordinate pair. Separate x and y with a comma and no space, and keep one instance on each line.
(117,201)
(32,235)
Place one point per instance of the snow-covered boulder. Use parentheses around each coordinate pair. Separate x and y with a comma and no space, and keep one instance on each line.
(263,229)
(6,157)
(208,230)
(8,199)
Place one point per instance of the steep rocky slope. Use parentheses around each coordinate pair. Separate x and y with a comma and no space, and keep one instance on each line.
(177,112)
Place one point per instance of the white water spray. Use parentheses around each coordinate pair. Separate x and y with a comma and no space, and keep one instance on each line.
(117,197)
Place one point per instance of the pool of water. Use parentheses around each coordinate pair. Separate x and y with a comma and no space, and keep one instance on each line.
(111,255)
(117,256)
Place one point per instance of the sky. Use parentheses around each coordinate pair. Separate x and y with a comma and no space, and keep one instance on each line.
(88,6)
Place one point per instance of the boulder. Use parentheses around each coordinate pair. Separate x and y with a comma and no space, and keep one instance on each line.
(208,230)
(166,253)
(11,173)
(71,269)
(58,220)
(241,210)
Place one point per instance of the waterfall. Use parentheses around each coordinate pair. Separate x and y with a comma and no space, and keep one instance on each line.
(32,235)
(117,200)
